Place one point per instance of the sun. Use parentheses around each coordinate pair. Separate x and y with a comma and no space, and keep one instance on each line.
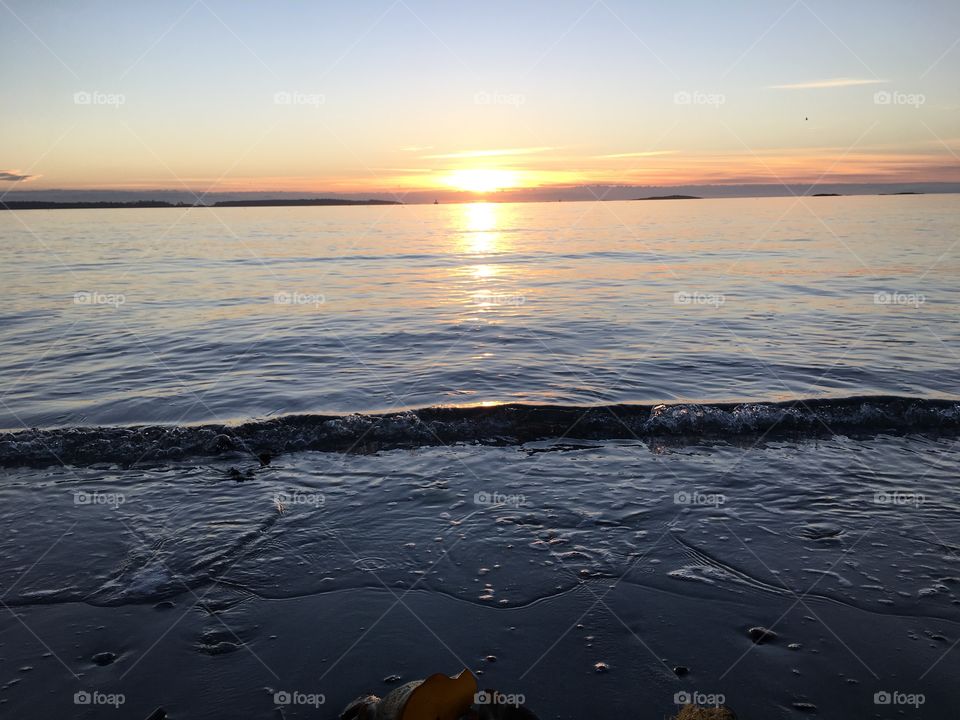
(482,180)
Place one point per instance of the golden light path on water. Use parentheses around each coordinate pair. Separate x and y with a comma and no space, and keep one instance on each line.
(483,238)
(480,239)
(480,222)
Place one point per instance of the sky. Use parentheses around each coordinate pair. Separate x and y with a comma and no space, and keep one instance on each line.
(403,95)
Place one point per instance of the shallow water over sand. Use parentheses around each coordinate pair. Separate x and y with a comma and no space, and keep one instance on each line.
(639,555)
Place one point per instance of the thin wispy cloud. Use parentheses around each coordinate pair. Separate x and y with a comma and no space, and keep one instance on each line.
(489,153)
(14,176)
(647,153)
(829,83)
(402,170)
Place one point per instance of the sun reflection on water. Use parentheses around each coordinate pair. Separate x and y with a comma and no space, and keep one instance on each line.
(485,272)
(480,223)
(485,290)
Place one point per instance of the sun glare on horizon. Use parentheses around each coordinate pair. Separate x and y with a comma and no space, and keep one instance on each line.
(483,180)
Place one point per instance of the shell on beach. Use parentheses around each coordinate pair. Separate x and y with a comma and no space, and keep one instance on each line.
(438,697)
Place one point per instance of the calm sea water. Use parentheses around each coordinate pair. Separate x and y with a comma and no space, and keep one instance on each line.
(182,316)
(218,565)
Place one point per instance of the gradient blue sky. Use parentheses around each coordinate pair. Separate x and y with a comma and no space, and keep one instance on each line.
(399,95)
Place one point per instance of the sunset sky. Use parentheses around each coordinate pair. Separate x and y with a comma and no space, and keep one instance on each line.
(395,96)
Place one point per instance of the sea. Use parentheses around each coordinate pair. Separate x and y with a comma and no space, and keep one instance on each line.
(612,457)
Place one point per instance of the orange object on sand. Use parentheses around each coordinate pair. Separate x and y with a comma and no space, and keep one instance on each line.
(441,698)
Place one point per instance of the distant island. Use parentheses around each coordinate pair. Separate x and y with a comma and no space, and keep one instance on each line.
(670,197)
(827,195)
(283,202)
(106,205)
(53,205)
(906,192)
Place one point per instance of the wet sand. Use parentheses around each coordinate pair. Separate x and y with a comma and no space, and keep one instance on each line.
(220,653)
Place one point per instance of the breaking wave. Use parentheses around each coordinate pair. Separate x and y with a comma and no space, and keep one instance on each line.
(499,424)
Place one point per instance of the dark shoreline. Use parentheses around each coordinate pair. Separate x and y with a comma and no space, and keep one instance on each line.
(672,197)
(144,204)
